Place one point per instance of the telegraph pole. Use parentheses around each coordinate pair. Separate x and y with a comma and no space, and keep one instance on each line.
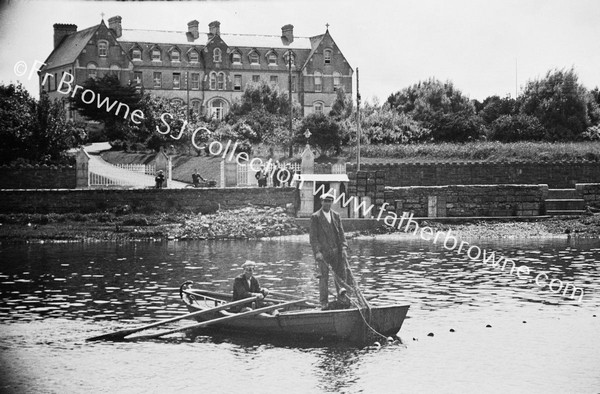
(357,124)
(291,102)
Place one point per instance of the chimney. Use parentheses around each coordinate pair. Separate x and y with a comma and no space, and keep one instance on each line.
(214,29)
(287,34)
(114,24)
(61,30)
(193,29)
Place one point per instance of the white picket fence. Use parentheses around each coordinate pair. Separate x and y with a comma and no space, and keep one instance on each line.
(147,169)
(246,176)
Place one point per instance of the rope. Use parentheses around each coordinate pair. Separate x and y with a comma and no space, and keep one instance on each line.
(362,304)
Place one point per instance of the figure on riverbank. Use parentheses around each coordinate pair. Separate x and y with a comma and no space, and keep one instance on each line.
(196,178)
(159,179)
(329,247)
(246,285)
(261,177)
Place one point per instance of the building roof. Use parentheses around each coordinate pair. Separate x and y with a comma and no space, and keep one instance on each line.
(232,40)
(69,48)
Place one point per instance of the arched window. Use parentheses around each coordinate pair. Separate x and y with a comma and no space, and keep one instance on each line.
(194,57)
(196,106)
(136,54)
(102,48)
(114,70)
(217,109)
(327,56)
(216,55)
(318,81)
(213,81)
(177,102)
(221,81)
(91,70)
(318,107)
(156,55)
(253,57)
(336,80)
(236,58)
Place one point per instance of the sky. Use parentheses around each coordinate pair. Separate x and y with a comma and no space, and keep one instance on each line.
(485,47)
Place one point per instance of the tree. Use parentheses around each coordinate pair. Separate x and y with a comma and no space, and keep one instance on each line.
(519,127)
(326,133)
(108,91)
(563,106)
(17,122)
(342,106)
(440,107)
(493,107)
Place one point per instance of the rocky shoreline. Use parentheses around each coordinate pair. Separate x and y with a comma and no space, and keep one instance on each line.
(247,223)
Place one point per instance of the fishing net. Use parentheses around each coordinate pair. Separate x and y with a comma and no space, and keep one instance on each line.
(347,280)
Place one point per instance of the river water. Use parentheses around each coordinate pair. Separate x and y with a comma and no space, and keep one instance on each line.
(54,296)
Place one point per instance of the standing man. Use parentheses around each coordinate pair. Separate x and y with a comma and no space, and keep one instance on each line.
(159,179)
(329,247)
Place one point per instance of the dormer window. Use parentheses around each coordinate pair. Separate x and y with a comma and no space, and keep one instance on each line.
(193,57)
(236,58)
(216,55)
(327,56)
(287,56)
(102,48)
(253,57)
(156,55)
(136,54)
(175,55)
(272,59)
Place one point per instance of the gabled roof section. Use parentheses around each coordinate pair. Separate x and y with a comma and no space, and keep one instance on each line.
(314,43)
(69,48)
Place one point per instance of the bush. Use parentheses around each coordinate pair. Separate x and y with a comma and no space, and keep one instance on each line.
(513,128)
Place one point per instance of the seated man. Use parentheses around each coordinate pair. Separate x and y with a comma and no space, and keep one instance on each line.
(246,285)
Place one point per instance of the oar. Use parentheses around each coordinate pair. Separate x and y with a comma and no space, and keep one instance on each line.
(119,335)
(200,293)
(213,294)
(220,319)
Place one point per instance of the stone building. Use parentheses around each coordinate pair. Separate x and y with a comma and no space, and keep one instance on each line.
(207,70)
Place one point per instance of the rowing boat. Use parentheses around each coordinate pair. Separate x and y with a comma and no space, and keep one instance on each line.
(301,321)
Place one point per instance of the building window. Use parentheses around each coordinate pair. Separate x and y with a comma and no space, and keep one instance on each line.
(91,71)
(216,55)
(318,108)
(194,57)
(237,82)
(220,81)
(102,48)
(273,79)
(287,57)
(176,81)
(256,78)
(196,106)
(253,57)
(318,82)
(217,108)
(272,59)
(336,80)
(136,54)
(137,77)
(236,58)
(177,102)
(114,70)
(156,55)
(294,81)
(213,81)
(157,79)
(195,81)
(175,56)
(327,56)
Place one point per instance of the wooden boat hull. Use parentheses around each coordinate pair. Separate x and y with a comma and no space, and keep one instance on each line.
(342,324)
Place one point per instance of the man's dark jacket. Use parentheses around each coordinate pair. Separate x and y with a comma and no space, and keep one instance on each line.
(327,238)
(241,289)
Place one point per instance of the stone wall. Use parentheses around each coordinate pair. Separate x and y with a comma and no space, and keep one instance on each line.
(555,174)
(37,177)
(468,201)
(142,200)
(590,192)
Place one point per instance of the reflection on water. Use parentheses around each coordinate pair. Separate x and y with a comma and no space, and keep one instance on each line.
(53,296)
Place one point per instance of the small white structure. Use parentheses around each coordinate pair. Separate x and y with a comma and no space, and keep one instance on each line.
(312,186)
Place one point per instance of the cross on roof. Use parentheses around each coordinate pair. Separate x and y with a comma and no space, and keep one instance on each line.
(102,14)
(327,26)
